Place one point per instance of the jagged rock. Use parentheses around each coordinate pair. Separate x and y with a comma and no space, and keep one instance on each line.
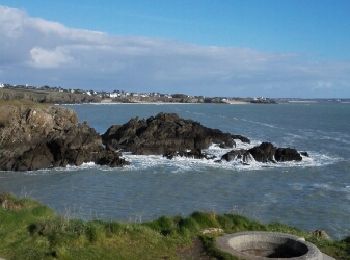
(34,136)
(266,152)
(109,158)
(263,153)
(236,154)
(287,154)
(164,133)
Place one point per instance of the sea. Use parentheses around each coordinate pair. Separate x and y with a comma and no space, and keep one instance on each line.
(312,194)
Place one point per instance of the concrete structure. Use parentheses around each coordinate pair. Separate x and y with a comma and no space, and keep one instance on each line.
(267,245)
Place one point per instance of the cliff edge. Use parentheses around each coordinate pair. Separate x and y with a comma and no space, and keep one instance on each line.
(35,136)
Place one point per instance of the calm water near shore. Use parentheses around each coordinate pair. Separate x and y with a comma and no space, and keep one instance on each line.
(314,194)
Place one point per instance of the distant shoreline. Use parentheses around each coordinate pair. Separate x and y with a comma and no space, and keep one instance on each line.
(63,96)
(156,103)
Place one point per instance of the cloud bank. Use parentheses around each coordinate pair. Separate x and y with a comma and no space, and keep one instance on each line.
(37,51)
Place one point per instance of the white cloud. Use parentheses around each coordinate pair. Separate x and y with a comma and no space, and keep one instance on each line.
(42,58)
(44,52)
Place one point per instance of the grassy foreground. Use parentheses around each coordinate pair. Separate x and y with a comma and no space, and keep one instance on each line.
(29,230)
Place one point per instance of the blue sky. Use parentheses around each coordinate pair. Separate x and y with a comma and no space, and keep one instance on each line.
(305,37)
(314,27)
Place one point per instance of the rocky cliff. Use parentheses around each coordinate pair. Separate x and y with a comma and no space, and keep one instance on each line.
(34,136)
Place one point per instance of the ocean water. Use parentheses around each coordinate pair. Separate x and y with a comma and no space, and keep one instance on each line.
(313,194)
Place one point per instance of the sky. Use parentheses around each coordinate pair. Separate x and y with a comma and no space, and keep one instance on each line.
(273,48)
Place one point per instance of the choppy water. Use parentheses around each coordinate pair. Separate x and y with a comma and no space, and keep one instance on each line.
(310,195)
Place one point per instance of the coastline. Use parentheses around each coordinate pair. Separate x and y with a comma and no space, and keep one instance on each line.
(151,103)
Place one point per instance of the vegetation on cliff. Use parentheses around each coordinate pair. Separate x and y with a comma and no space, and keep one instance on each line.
(29,230)
(46,96)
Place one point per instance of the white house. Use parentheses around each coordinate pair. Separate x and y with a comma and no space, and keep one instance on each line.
(114,95)
(2,85)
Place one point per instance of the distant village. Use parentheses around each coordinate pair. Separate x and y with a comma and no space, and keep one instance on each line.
(122,96)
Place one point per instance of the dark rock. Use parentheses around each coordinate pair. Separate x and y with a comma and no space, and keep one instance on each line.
(304,154)
(263,153)
(35,137)
(111,159)
(241,154)
(242,138)
(287,154)
(266,152)
(163,134)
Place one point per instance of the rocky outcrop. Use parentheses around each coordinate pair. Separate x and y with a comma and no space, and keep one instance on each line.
(241,155)
(34,136)
(165,133)
(266,152)
(263,153)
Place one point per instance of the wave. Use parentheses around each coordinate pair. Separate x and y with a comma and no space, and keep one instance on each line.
(184,164)
(74,168)
(259,123)
(321,186)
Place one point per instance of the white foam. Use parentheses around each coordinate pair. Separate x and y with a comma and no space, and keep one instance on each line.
(184,164)
(73,168)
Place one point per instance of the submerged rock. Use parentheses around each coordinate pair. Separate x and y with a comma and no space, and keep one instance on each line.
(165,133)
(34,136)
(304,154)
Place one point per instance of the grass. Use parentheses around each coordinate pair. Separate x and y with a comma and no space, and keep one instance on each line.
(29,230)
(21,103)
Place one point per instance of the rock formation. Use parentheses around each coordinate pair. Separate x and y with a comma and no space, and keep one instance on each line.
(266,152)
(165,133)
(34,136)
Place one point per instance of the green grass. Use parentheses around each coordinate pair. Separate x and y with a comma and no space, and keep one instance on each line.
(29,230)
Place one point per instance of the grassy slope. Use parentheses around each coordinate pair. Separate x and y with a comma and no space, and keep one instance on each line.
(44,96)
(29,230)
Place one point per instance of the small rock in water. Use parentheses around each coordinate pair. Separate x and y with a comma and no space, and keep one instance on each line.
(304,154)
(266,152)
